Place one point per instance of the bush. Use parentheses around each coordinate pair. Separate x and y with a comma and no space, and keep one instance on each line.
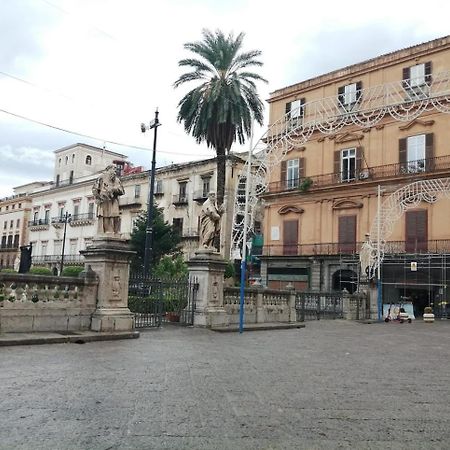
(72,271)
(169,268)
(7,271)
(229,270)
(41,271)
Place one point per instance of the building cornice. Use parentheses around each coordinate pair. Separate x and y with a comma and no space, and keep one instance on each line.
(369,65)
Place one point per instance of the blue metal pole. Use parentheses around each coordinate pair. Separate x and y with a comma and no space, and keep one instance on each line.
(241,301)
(379,299)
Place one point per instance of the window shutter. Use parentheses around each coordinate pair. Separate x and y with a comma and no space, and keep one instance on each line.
(337,166)
(290,237)
(288,108)
(302,105)
(283,175)
(406,72)
(341,91)
(301,168)
(428,78)
(429,152)
(416,231)
(358,90)
(347,234)
(402,154)
(358,165)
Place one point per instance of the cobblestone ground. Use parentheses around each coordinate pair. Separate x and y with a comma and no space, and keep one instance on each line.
(331,385)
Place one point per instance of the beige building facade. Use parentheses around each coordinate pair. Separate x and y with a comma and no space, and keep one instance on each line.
(322,200)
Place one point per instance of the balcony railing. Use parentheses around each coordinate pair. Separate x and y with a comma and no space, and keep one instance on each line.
(48,259)
(38,222)
(420,167)
(82,219)
(130,202)
(180,199)
(9,247)
(200,196)
(437,246)
(190,232)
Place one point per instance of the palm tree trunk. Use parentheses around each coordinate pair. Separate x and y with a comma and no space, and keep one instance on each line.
(221,168)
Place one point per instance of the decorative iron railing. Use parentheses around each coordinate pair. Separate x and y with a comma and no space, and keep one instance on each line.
(180,199)
(45,259)
(436,246)
(377,173)
(38,222)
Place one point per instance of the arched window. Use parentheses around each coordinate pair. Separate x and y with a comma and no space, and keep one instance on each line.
(345,278)
(67,160)
(59,161)
(73,158)
(88,160)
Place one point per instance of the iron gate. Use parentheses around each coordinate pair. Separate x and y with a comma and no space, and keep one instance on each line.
(154,301)
(318,305)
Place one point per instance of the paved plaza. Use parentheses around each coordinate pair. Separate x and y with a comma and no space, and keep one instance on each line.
(333,384)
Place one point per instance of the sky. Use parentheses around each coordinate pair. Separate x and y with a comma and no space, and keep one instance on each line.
(101,67)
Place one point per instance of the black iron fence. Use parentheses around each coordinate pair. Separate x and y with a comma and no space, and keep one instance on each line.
(319,305)
(154,301)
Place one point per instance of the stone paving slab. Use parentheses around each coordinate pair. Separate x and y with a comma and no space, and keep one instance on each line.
(333,384)
(78,337)
(259,327)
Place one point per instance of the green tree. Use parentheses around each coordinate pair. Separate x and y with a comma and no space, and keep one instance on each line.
(171,267)
(221,109)
(165,239)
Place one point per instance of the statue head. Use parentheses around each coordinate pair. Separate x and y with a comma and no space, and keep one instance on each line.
(212,196)
(111,171)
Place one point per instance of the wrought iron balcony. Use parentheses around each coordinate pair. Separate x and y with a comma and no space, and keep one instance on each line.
(180,199)
(130,202)
(437,246)
(419,168)
(82,219)
(39,224)
(9,247)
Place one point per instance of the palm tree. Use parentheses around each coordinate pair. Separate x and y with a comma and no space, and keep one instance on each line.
(221,109)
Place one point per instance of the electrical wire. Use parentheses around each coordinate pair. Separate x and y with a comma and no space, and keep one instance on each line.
(168,152)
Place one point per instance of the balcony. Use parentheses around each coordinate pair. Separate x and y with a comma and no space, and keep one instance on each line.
(51,259)
(9,248)
(180,200)
(82,219)
(413,169)
(190,233)
(200,196)
(39,224)
(437,246)
(130,202)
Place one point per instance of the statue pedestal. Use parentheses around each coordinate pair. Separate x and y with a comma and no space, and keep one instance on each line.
(109,257)
(207,267)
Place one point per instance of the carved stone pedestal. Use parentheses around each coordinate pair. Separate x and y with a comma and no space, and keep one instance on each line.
(109,258)
(207,268)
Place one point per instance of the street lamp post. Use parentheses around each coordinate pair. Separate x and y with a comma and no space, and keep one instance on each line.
(148,252)
(66,218)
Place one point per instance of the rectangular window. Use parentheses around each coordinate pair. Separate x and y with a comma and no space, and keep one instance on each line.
(3,241)
(347,234)
(18,223)
(205,186)
(183,191)
(47,216)
(295,113)
(16,241)
(11,224)
(44,249)
(73,246)
(178,226)
(5,224)
(57,247)
(35,218)
(10,241)
(417,75)
(416,231)
(348,164)
(349,95)
(292,173)
(137,191)
(417,80)
(61,212)
(415,153)
(158,187)
(290,237)
(91,210)
(76,211)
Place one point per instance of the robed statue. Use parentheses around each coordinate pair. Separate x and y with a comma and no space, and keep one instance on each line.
(210,216)
(107,189)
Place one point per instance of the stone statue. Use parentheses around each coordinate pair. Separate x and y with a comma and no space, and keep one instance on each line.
(25,258)
(210,216)
(107,189)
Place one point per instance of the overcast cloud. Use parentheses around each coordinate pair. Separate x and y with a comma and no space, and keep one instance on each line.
(100,67)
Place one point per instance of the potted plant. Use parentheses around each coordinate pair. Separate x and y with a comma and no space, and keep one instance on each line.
(305,184)
(428,315)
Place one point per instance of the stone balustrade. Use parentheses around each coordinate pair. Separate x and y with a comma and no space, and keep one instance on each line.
(260,305)
(46,303)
